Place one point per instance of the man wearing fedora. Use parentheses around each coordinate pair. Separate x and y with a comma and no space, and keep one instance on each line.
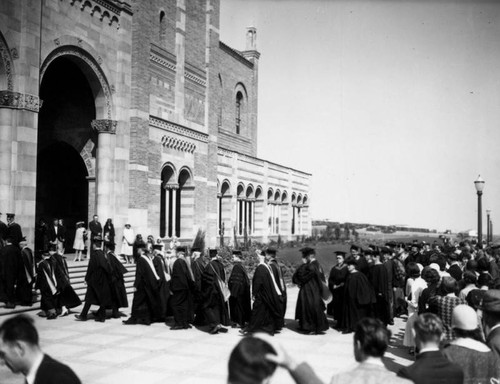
(491,318)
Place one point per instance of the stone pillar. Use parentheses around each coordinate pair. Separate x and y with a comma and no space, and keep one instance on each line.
(6,123)
(180,54)
(106,142)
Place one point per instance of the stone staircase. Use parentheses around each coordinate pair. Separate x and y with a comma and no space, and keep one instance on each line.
(77,271)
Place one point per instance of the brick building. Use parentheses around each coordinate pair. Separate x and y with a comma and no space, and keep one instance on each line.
(138,112)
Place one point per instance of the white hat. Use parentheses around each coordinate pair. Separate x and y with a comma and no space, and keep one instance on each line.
(464,318)
(435,266)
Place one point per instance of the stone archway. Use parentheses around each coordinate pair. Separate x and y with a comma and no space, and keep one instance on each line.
(74,123)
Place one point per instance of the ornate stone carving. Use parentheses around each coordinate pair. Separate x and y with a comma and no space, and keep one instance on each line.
(57,42)
(17,100)
(99,60)
(74,51)
(196,79)
(15,54)
(104,126)
(5,56)
(165,63)
(179,145)
(178,129)
(167,185)
(104,9)
(79,42)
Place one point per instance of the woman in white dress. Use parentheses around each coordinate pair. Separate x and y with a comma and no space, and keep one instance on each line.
(127,243)
(79,243)
(414,287)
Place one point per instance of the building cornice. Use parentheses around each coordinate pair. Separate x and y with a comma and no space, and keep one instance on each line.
(177,129)
(236,54)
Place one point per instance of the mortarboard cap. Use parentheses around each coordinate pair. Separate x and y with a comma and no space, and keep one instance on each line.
(195,249)
(341,253)
(354,247)
(212,253)
(351,261)
(157,247)
(271,251)
(181,249)
(491,301)
(306,251)
(11,215)
(237,253)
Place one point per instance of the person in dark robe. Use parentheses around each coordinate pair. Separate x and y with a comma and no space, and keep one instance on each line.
(47,284)
(359,297)
(380,283)
(310,309)
(10,265)
(109,232)
(41,239)
(336,282)
(27,275)
(197,267)
(146,295)
(215,304)
(360,259)
(118,292)
(98,279)
(95,230)
(138,244)
(181,286)
(240,301)
(14,230)
(267,305)
(280,280)
(3,232)
(163,284)
(67,296)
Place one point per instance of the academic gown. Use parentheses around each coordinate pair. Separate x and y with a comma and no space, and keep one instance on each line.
(14,230)
(47,284)
(358,299)
(215,307)
(278,277)
(67,295)
(163,288)
(240,300)
(310,309)
(118,291)
(98,280)
(199,315)
(379,280)
(146,295)
(267,305)
(26,278)
(338,276)
(181,286)
(10,265)
(3,232)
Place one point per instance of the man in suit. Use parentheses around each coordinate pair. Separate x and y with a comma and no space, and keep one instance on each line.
(371,339)
(95,229)
(14,229)
(20,351)
(54,233)
(431,367)
(491,318)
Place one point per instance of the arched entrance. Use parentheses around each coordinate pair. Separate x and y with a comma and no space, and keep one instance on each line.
(64,133)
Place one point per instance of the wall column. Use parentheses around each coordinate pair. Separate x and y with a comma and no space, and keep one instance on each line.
(106,130)
(6,123)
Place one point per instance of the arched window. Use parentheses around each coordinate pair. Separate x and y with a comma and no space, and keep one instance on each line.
(167,202)
(224,210)
(239,103)
(162,30)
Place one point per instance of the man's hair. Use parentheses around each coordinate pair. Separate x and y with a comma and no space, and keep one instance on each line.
(471,265)
(449,285)
(483,265)
(428,327)
(373,336)
(484,279)
(470,277)
(19,328)
(247,362)
(430,275)
(413,270)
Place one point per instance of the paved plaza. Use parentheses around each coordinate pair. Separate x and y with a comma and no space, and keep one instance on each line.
(109,353)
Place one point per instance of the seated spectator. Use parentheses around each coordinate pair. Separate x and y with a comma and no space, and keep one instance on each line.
(468,350)
(431,367)
(470,280)
(491,317)
(371,339)
(445,304)
(255,358)
(21,353)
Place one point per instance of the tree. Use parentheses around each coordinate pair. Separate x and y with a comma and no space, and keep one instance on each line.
(347,233)
(337,232)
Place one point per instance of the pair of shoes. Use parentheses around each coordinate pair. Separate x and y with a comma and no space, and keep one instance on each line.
(222,329)
(130,321)
(64,313)
(80,318)
(176,327)
(214,330)
(100,319)
(52,316)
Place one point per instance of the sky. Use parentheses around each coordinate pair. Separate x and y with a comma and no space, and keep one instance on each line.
(393,106)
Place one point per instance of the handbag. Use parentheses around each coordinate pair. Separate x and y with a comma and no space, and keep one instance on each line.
(326,295)
(226,293)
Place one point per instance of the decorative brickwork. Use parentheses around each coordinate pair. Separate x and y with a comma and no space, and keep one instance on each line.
(175,128)
(179,145)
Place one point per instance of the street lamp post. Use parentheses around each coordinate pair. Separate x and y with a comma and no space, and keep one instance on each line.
(488,227)
(479,184)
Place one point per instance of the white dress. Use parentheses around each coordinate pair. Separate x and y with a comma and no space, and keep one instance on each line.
(79,243)
(414,288)
(127,242)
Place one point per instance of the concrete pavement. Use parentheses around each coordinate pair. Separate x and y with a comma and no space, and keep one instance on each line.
(109,353)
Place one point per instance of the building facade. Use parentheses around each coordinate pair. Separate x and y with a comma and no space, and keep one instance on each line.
(137,112)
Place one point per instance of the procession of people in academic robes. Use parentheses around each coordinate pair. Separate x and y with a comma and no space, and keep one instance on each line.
(278,277)
(336,283)
(182,286)
(10,266)
(240,307)
(310,309)
(380,282)
(27,275)
(163,284)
